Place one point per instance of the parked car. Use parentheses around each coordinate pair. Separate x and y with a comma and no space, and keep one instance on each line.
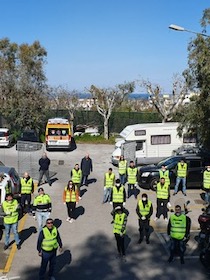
(11,180)
(28,141)
(6,138)
(149,174)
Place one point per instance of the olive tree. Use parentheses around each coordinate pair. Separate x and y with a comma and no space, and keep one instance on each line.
(107,99)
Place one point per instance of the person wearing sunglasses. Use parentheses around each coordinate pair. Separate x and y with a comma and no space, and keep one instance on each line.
(48,242)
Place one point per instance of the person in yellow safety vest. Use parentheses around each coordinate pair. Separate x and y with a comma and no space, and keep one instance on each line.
(119,230)
(26,189)
(70,199)
(181,176)
(132,174)
(164,173)
(118,195)
(10,207)
(122,169)
(48,242)
(144,210)
(76,177)
(42,208)
(179,230)
(162,193)
(206,184)
(109,181)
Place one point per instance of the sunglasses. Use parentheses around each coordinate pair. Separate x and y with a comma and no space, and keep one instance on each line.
(49,222)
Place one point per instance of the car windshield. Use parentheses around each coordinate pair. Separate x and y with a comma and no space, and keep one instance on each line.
(169,162)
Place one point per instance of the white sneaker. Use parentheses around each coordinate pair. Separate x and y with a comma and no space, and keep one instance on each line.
(71,221)
(155,219)
(166,220)
(80,198)
(68,219)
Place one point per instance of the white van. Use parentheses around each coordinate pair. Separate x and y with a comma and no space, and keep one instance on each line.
(149,143)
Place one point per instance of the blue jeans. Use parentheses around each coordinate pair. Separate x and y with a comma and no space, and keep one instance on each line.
(41,174)
(183,181)
(47,257)
(122,178)
(85,180)
(177,244)
(41,219)
(107,194)
(207,196)
(14,228)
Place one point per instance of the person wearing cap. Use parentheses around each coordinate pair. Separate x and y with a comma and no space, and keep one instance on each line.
(26,190)
(162,192)
(76,177)
(206,184)
(10,207)
(44,163)
(122,169)
(144,210)
(118,195)
(132,173)
(70,198)
(119,230)
(48,242)
(181,171)
(42,208)
(109,182)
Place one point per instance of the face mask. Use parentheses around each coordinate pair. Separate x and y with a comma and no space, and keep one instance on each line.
(118,185)
(144,198)
(208,169)
(178,214)
(9,201)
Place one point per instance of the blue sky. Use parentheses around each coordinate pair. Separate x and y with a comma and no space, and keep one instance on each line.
(105,42)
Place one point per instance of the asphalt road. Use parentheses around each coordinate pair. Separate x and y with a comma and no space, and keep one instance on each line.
(89,245)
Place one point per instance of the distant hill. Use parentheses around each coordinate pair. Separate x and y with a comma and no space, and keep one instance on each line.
(144,96)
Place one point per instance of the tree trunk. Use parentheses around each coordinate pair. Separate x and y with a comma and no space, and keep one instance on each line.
(106,128)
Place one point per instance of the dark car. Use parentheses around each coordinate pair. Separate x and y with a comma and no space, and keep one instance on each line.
(149,174)
(28,141)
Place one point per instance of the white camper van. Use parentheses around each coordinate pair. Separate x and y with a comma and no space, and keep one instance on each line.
(149,143)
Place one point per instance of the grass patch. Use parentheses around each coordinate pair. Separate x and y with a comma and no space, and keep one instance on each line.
(86,138)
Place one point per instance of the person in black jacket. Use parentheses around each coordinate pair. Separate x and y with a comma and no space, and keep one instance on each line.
(86,167)
(44,163)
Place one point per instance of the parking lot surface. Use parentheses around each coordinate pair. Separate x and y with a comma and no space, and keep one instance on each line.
(89,245)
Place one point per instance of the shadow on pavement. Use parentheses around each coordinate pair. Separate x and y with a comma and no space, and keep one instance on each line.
(79,211)
(26,233)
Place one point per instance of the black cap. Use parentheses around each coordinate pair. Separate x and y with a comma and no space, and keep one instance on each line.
(40,189)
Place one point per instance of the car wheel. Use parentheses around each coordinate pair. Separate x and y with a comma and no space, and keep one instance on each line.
(153,184)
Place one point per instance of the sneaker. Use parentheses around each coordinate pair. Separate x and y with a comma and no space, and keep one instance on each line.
(174,193)
(80,198)
(155,219)
(184,194)
(18,246)
(6,247)
(147,241)
(139,241)
(71,220)
(68,219)
(166,220)
(170,259)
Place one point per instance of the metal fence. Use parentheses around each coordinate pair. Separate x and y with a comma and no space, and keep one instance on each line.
(29,154)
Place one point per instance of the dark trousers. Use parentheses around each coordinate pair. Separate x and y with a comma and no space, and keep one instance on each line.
(132,189)
(177,246)
(162,208)
(85,180)
(120,244)
(70,208)
(26,197)
(144,229)
(41,174)
(47,257)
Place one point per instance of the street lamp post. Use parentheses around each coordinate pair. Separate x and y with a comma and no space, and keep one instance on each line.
(180,28)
